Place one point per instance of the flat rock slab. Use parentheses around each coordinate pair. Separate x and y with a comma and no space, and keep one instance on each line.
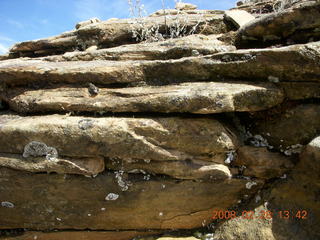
(202,98)
(129,139)
(298,24)
(163,50)
(116,32)
(44,202)
(176,169)
(239,17)
(292,63)
(26,71)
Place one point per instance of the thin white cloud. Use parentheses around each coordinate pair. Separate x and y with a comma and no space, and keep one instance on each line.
(5,43)
(15,23)
(6,39)
(3,49)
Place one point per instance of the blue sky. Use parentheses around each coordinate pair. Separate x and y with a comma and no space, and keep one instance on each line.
(23,20)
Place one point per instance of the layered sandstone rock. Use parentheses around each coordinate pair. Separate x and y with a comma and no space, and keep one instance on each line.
(106,137)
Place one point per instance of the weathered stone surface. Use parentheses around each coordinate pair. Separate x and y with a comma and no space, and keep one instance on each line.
(299,192)
(169,49)
(299,91)
(238,17)
(125,138)
(57,44)
(84,166)
(115,33)
(185,6)
(41,72)
(292,201)
(261,163)
(43,202)
(202,98)
(256,228)
(297,125)
(298,24)
(79,235)
(292,63)
(176,169)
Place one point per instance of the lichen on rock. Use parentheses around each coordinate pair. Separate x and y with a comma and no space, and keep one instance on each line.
(39,149)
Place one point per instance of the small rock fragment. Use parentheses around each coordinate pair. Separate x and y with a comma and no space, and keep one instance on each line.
(195,53)
(238,17)
(181,6)
(93,90)
(112,197)
(92,48)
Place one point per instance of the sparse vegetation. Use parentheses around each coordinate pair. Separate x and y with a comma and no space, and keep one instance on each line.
(177,27)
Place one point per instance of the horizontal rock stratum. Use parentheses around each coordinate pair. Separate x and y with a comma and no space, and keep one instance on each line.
(202,98)
(293,63)
(186,122)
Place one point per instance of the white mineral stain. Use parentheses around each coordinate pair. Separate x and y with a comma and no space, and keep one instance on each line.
(249,185)
(7,204)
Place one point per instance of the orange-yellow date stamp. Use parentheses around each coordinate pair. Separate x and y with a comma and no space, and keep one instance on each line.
(263,214)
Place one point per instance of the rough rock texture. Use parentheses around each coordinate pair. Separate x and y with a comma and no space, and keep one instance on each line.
(292,202)
(149,126)
(171,49)
(296,125)
(157,139)
(292,63)
(202,98)
(298,24)
(254,227)
(114,33)
(149,203)
(259,162)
